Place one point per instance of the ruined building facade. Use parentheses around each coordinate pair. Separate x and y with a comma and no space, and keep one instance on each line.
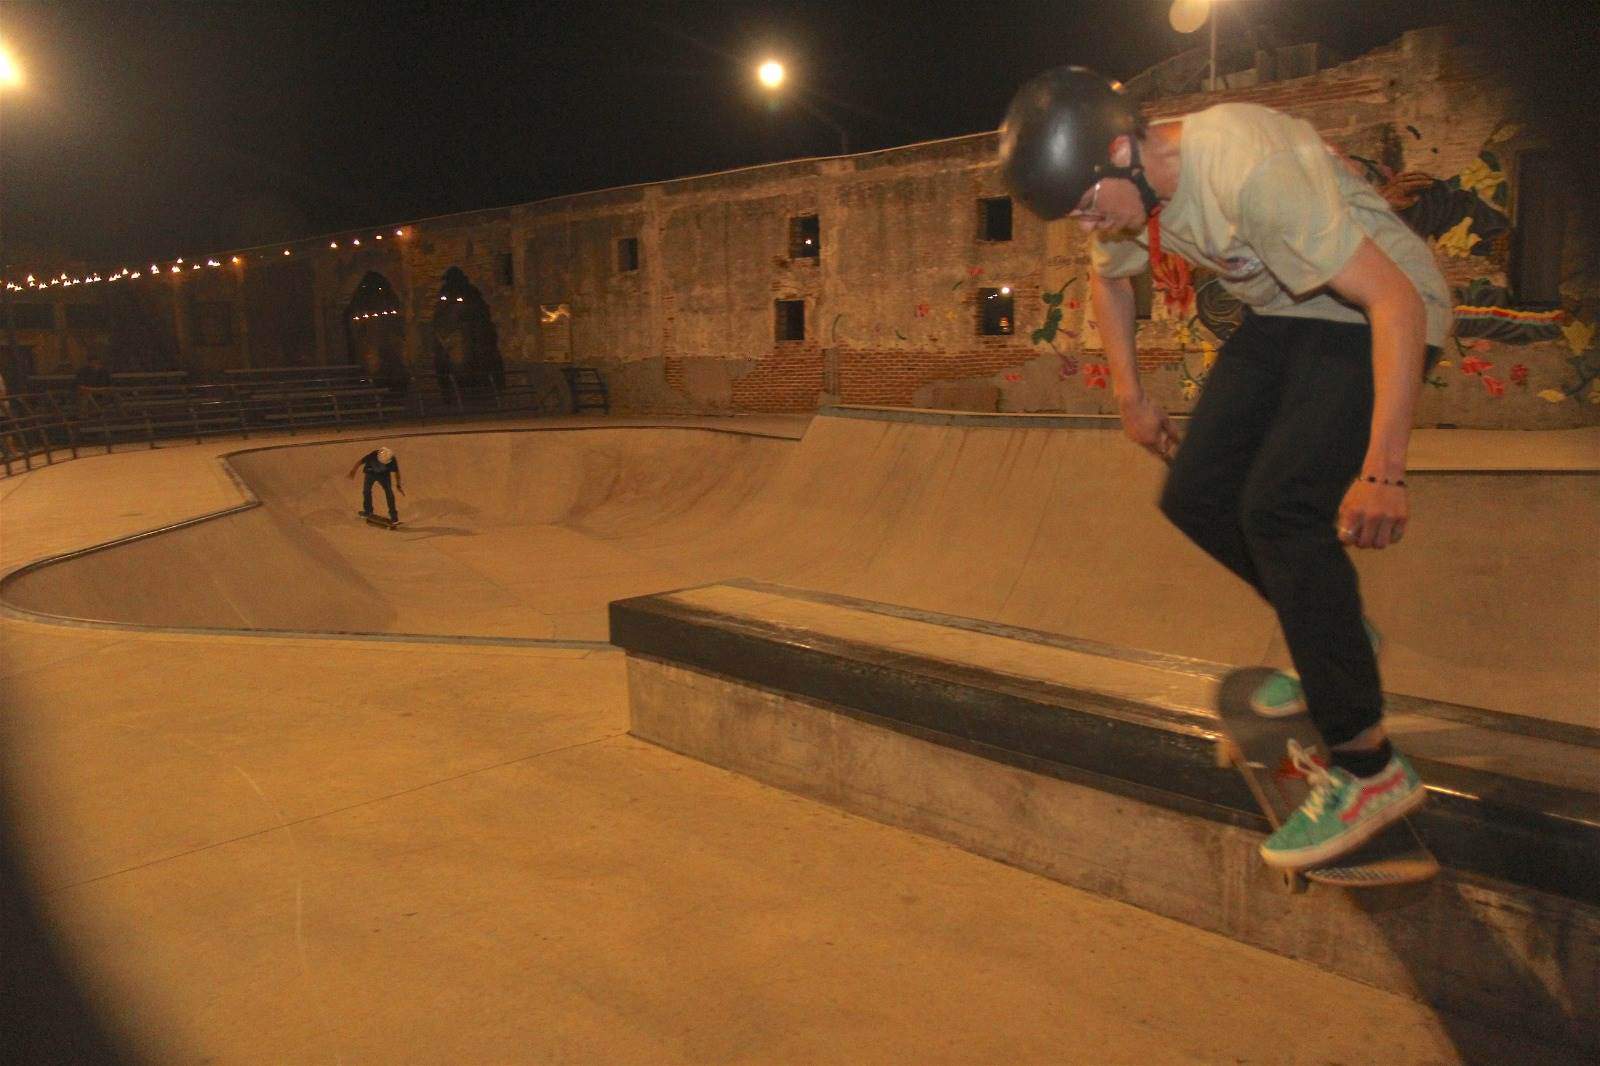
(902,276)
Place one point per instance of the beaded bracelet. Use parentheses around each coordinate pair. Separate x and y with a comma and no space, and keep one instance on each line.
(1398,482)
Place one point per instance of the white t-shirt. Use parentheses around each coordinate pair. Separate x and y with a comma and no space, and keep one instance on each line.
(1265,203)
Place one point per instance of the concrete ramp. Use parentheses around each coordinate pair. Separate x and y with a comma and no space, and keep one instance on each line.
(1032,521)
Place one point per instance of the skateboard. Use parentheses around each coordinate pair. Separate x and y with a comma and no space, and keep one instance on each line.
(1258,747)
(378,520)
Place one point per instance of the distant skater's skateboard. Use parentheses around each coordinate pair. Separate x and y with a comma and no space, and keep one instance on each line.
(377,520)
(1259,748)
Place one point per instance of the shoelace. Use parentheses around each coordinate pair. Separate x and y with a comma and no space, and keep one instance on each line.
(1320,781)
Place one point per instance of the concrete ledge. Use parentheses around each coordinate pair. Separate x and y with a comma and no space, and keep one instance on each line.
(1115,794)
(1470,946)
(1138,725)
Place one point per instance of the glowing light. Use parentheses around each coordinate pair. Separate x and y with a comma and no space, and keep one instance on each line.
(333,244)
(10,73)
(399,233)
(286,251)
(236,261)
(355,240)
(1005,290)
(770,73)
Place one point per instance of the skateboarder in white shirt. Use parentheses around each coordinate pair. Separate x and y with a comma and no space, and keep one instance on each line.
(1297,446)
(379,465)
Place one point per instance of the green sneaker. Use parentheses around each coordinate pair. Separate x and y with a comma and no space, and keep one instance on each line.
(1343,812)
(1281,695)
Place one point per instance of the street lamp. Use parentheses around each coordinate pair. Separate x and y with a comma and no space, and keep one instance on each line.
(773,77)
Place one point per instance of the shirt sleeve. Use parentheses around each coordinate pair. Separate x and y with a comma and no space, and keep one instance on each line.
(1117,258)
(1292,214)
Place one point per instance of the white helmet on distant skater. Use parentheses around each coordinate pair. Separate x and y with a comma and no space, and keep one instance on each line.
(385,455)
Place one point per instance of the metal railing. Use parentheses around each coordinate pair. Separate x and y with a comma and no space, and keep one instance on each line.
(43,427)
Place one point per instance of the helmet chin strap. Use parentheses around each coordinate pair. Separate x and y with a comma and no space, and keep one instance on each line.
(1133,172)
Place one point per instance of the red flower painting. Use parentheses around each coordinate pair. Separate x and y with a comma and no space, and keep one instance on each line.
(1172,276)
(1094,376)
(1519,375)
(1473,365)
(1495,386)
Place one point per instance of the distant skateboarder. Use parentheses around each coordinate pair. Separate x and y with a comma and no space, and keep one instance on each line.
(1297,446)
(378,466)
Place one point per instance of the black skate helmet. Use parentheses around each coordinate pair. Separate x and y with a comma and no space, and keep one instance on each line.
(1055,142)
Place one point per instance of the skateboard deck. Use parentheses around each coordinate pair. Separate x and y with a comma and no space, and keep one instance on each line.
(378,520)
(1258,747)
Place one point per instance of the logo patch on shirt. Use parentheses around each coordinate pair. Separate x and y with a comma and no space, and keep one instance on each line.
(1238,267)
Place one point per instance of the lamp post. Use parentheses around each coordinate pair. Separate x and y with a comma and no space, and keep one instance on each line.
(773,77)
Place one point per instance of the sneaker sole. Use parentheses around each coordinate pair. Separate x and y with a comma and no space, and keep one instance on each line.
(1287,710)
(1307,858)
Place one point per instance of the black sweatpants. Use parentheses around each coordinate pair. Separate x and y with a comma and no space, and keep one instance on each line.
(1277,438)
(388,494)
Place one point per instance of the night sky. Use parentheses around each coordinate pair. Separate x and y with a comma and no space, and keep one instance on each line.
(152,130)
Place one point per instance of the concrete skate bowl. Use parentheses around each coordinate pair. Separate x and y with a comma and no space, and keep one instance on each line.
(1041,523)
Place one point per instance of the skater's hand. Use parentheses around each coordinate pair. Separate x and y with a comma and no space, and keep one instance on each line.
(1373,515)
(1148,426)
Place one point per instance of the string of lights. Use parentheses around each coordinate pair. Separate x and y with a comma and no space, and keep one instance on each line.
(157,269)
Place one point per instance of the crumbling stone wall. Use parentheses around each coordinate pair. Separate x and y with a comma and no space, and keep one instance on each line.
(671,289)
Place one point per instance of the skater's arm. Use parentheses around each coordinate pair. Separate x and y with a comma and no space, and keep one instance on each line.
(1374,514)
(1144,423)
(353,469)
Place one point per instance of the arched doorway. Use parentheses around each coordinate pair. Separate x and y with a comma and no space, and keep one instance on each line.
(466,346)
(375,332)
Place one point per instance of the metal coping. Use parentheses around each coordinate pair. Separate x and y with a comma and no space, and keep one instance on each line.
(1481,717)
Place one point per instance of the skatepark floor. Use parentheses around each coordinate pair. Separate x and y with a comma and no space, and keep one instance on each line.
(290,849)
